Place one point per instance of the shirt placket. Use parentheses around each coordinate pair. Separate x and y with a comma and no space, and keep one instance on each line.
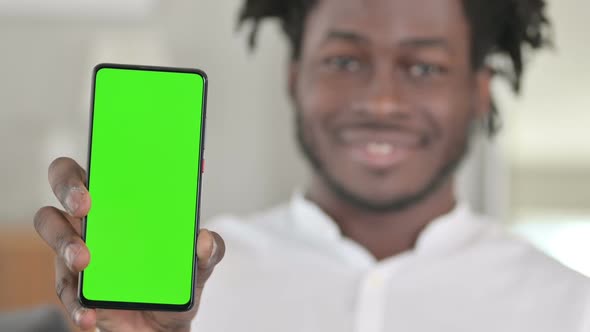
(374,294)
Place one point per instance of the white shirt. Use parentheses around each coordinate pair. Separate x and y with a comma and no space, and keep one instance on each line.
(291,270)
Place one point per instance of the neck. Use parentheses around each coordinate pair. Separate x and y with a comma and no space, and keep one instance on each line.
(384,234)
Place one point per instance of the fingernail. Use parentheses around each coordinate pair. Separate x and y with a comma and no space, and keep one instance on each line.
(78,316)
(73,200)
(213,250)
(71,253)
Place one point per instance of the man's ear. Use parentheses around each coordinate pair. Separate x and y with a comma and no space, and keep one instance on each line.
(484,92)
(293,79)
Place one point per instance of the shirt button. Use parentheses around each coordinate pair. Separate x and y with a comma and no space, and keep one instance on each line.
(375,280)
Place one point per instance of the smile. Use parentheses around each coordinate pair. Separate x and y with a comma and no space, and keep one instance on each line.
(379,155)
(380,149)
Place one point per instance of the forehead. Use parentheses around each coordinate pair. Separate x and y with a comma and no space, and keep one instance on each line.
(390,20)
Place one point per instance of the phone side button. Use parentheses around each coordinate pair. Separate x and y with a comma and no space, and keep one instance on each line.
(202,166)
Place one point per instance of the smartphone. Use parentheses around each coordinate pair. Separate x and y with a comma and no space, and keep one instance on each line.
(145,164)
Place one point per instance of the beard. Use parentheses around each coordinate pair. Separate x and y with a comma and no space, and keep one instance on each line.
(394,204)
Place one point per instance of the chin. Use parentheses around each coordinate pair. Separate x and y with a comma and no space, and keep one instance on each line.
(384,192)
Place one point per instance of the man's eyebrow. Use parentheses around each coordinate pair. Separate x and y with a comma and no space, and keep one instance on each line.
(345,36)
(419,43)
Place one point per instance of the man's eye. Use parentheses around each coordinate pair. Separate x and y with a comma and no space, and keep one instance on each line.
(343,63)
(421,70)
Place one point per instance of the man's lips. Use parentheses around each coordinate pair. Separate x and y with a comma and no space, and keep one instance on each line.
(393,137)
(381,148)
(378,156)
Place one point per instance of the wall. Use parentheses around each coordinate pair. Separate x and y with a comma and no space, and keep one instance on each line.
(252,161)
(44,91)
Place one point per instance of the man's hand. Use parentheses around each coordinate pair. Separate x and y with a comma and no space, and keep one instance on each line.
(62,230)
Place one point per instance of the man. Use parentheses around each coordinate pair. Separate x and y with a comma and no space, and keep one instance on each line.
(386,96)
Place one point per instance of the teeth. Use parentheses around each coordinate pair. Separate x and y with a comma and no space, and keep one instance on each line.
(380,148)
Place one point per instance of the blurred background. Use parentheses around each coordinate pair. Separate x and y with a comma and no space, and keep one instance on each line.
(534,177)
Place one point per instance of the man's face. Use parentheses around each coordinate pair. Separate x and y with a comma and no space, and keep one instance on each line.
(385,96)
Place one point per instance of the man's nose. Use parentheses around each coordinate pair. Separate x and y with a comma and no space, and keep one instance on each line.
(384,95)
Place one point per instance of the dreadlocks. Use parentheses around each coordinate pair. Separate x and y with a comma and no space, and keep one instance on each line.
(500,29)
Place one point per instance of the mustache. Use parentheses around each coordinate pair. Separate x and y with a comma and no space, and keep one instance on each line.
(427,133)
(378,126)
(417,122)
(420,125)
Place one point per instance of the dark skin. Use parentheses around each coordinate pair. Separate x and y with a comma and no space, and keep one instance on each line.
(61,229)
(386,95)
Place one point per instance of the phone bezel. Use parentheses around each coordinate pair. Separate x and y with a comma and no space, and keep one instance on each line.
(133,305)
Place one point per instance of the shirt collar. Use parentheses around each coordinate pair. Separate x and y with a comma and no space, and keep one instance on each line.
(310,219)
(446,233)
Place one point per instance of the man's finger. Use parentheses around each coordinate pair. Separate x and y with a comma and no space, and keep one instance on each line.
(58,232)
(67,180)
(66,283)
(210,251)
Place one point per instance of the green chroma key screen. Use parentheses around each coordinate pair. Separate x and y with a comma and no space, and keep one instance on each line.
(144,181)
